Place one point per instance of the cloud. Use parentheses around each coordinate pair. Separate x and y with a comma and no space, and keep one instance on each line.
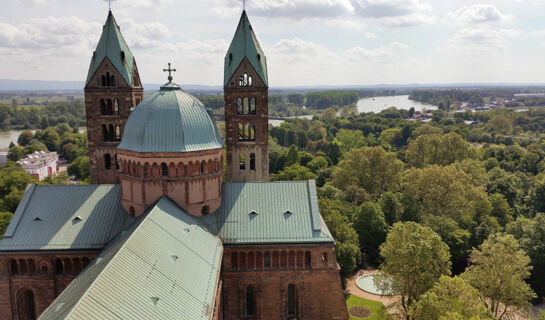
(143,4)
(389,13)
(479,13)
(537,33)
(33,3)
(478,43)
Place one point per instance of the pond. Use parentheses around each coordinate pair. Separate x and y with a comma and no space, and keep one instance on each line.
(367,283)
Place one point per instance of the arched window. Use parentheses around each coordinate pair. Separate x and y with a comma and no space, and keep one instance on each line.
(111,132)
(108,79)
(107,162)
(26,304)
(205,210)
(307,260)
(242,161)
(112,81)
(116,106)
(234,261)
(241,81)
(31,267)
(324,257)
(252,106)
(109,110)
(241,132)
(203,167)
(105,134)
(250,300)
(300,261)
(252,161)
(250,81)
(67,266)
(164,169)
(14,267)
(292,301)
(246,106)
(251,132)
(102,107)
(239,105)
(118,133)
(103,83)
(267,259)
(59,268)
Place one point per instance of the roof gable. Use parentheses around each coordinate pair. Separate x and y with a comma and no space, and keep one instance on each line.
(245,45)
(164,267)
(112,46)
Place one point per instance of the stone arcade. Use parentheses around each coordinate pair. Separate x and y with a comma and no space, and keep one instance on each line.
(160,235)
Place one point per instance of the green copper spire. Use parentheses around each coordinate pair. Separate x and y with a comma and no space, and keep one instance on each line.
(112,46)
(245,45)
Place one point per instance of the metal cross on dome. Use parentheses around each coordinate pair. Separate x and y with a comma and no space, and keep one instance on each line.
(169,70)
(109,3)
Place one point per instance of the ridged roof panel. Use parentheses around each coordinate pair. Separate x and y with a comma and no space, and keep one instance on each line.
(170,120)
(164,267)
(285,212)
(66,218)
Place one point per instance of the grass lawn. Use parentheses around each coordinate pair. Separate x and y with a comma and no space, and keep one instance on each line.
(378,312)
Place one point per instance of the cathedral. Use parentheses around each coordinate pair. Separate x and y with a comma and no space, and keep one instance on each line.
(170,229)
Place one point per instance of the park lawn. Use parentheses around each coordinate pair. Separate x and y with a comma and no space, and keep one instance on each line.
(378,312)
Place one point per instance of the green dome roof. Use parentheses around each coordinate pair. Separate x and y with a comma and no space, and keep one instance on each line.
(170,120)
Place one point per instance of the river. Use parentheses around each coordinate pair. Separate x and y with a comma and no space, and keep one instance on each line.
(377,104)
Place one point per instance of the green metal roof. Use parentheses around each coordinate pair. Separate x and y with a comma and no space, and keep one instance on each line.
(164,267)
(111,45)
(235,223)
(170,120)
(245,45)
(66,218)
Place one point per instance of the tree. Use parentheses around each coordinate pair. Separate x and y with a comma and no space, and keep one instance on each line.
(334,153)
(13,182)
(80,168)
(454,194)
(293,156)
(16,153)
(51,139)
(350,139)
(530,234)
(414,258)
(392,207)
(500,124)
(25,137)
(438,149)
(371,229)
(293,173)
(317,164)
(5,218)
(498,272)
(335,214)
(501,209)
(536,195)
(447,297)
(371,168)
(506,183)
(296,98)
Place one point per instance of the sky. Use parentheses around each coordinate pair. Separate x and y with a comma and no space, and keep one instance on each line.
(307,42)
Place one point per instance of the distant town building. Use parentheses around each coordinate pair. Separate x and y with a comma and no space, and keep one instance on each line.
(41,164)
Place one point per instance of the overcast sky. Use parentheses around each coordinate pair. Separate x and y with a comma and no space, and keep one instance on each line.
(307,42)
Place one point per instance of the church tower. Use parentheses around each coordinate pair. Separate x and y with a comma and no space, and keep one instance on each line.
(246,92)
(112,90)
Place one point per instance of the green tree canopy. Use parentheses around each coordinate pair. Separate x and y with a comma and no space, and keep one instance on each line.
(498,272)
(371,168)
(414,257)
(371,229)
(438,149)
(450,296)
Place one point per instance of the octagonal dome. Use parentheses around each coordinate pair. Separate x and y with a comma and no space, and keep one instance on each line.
(170,120)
